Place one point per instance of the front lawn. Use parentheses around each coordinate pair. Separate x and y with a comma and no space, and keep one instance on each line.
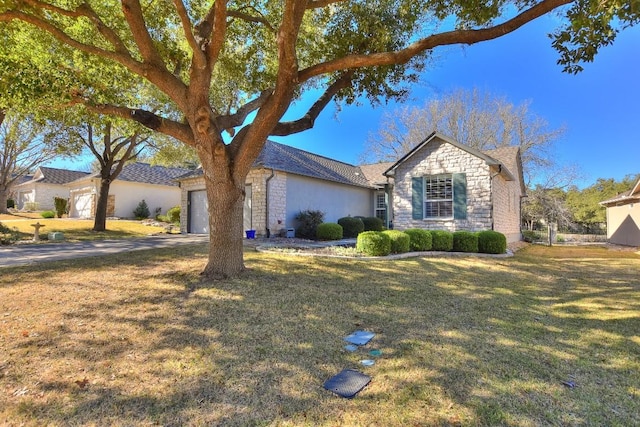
(76,230)
(548,337)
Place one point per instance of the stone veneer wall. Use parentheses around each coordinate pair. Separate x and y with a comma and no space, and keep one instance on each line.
(439,158)
(506,207)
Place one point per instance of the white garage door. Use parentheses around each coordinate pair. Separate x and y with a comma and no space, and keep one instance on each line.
(82,204)
(199,214)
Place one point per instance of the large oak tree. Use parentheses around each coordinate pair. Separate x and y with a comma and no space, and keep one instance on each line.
(219,75)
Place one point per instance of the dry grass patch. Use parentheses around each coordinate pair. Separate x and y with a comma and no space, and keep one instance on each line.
(137,339)
(76,230)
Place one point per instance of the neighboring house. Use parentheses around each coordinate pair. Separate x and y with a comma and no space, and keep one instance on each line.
(283,182)
(623,217)
(47,183)
(137,181)
(442,184)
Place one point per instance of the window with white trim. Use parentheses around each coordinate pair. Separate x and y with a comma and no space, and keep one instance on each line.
(380,204)
(438,196)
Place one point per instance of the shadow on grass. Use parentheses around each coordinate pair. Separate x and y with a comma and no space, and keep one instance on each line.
(465,341)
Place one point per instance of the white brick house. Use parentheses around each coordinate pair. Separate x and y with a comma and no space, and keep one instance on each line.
(442,184)
(47,183)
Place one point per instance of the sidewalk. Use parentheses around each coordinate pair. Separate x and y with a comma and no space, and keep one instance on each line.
(26,254)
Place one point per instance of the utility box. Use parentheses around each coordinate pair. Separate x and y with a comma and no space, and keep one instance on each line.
(56,235)
(291,233)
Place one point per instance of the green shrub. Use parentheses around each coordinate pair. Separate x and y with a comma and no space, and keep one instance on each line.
(329,231)
(48,214)
(531,236)
(308,221)
(60,205)
(442,240)
(491,242)
(141,211)
(11,204)
(399,241)
(465,241)
(372,223)
(373,243)
(419,239)
(351,226)
(173,214)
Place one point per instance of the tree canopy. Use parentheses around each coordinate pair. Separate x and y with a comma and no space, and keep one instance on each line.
(219,75)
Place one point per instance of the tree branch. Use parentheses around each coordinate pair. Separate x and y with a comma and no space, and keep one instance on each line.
(307,121)
(447,38)
(317,4)
(250,18)
(236,119)
(188,33)
(133,14)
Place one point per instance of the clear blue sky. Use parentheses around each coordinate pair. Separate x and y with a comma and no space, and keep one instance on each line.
(600,107)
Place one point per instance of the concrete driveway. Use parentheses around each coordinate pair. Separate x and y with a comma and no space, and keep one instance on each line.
(26,254)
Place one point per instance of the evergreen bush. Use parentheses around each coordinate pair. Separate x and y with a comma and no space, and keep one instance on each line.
(419,239)
(141,211)
(329,231)
(372,223)
(442,240)
(351,226)
(60,205)
(373,243)
(465,241)
(399,241)
(491,242)
(48,214)
(531,236)
(11,204)
(8,235)
(173,215)
(307,222)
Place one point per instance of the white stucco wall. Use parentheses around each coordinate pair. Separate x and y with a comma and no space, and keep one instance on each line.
(41,193)
(129,194)
(335,200)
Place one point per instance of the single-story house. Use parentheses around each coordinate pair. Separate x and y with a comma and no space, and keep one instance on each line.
(39,192)
(137,181)
(442,184)
(283,182)
(623,217)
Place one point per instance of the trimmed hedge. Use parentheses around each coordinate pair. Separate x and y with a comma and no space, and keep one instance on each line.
(441,240)
(399,241)
(48,214)
(329,231)
(419,239)
(351,226)
(491,242)
(372,223)
(465,241)
(373,243)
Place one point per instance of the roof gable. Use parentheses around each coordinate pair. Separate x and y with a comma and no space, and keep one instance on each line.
(502,167)
(47,175)
(627,197)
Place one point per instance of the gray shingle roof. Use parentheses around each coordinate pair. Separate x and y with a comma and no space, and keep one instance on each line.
(148,174)
(288,159)
(59,176)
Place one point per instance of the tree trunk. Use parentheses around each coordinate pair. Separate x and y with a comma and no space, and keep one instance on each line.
(100,221)
(226,202)
(3,200)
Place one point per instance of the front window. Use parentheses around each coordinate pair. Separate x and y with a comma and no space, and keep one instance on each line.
(438,196)
(381,206)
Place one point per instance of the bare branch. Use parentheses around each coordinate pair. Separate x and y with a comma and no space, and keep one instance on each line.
(447,38)
(236,119)
(307,121)
(188,33)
